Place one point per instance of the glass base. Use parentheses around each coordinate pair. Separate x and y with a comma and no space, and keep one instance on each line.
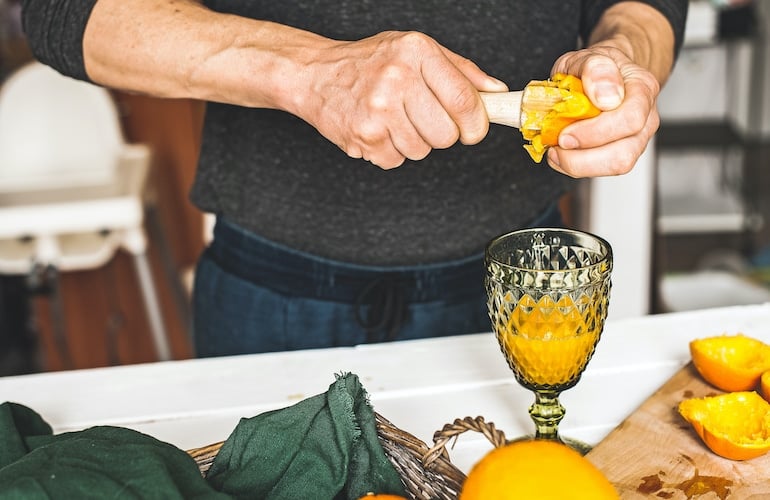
(576,444)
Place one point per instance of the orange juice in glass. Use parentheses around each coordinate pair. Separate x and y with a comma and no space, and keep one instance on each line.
(548,292)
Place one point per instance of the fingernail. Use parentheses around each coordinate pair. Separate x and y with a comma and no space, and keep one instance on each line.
(568,142)
(497,85)
(553,158)
(607,96)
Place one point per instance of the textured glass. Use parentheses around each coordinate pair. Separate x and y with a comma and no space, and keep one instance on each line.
(548,292)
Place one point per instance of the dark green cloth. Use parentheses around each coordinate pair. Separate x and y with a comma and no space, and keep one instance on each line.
(100,462)
(324,447)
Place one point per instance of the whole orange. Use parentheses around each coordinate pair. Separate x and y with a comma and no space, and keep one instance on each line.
(546,470)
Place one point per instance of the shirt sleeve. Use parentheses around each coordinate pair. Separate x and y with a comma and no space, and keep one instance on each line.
(54,31)
(674,10)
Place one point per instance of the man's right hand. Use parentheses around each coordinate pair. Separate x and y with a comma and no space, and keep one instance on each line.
(393,96)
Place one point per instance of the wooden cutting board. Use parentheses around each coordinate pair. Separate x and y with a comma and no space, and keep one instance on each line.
(654,453)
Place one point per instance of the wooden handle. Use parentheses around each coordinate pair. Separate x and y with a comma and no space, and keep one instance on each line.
(503,108)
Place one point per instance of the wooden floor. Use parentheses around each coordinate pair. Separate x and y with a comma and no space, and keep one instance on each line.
(97,318)
(102,320)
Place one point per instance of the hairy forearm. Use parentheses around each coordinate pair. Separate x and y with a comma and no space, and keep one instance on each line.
(641,32)
(179,48)
(388,97)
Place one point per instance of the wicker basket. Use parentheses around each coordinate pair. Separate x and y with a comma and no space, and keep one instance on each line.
(426,472)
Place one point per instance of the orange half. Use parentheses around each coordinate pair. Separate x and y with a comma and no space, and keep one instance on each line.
(541,127)
(735,425)
(731,362)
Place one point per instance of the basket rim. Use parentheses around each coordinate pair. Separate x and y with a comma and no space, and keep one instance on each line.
(427,473)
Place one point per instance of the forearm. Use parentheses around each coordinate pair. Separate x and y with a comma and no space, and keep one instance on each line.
(179,48)
(641,32)
(385,98)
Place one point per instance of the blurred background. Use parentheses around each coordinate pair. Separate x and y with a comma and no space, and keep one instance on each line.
(96,268)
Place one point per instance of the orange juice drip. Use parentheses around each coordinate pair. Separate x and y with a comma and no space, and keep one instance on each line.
(547,342)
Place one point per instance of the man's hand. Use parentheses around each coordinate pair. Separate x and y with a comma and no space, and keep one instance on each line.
(393,96)
(608,144)
(629,56)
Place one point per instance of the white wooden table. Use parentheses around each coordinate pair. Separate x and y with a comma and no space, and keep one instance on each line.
(418,385)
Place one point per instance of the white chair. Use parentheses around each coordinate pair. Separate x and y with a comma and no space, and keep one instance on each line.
(71,190)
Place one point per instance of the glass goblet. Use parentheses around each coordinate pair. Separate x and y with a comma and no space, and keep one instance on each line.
(548,291)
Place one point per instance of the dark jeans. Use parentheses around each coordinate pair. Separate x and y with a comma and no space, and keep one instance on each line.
(252,295)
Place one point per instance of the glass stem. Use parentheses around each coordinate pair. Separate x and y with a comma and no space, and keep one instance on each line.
(546,413)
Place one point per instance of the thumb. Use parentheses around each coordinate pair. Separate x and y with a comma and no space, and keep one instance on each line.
(603,83)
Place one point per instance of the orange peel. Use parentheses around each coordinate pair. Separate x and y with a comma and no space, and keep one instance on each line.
(731,363)
(735,425)
(540,125)
(764,385)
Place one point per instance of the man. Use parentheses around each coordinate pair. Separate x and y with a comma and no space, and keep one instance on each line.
(320,239)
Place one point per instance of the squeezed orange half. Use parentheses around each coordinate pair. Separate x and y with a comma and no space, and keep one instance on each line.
(542,126)
(735,425)
(730,362)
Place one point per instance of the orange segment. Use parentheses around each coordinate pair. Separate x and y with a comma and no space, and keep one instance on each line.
(541,127)
(734,425)
(731,362)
